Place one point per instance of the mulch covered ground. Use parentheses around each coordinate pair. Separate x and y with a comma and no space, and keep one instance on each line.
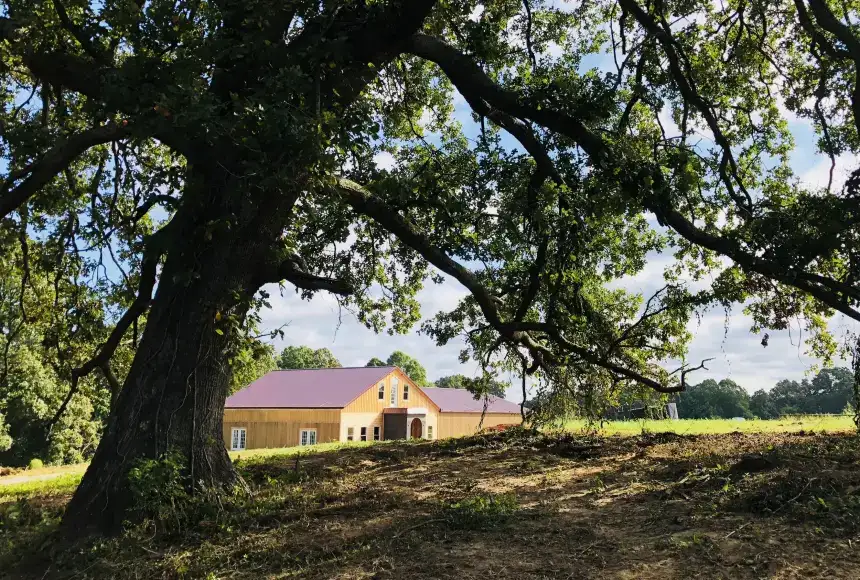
(512,506)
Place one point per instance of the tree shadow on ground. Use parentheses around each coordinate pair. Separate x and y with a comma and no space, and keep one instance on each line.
(749,506)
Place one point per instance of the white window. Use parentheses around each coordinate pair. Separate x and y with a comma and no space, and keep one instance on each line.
(429,431)
(405,391)
(364,433)
(381,391)
(350,433)
(237,441)
(393,399)
(308,437)
(376,433)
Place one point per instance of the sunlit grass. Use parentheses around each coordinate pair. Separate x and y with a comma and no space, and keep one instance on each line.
(818,423)
(301,450)
(72,474)
(64,484)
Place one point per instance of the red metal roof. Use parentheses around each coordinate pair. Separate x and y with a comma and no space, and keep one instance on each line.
(308,388)
(462,401)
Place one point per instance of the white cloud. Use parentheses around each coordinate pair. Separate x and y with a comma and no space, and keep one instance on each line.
(320,323)
(818,175)
(384,160)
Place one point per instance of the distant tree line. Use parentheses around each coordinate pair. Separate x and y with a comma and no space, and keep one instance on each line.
(830,391)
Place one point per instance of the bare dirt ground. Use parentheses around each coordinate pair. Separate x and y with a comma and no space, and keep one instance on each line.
(663,507)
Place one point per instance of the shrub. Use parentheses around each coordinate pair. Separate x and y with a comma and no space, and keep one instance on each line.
(35,464)
(5,439)
(158,487)
(480,511)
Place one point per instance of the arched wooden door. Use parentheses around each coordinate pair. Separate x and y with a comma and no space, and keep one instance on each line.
(415,430)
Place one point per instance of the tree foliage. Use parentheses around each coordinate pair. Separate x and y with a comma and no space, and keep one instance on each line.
(200,150)
(830,391)
(5,438)
(304,357)
(494,387)
(712,399)
(409,365)
(252,363)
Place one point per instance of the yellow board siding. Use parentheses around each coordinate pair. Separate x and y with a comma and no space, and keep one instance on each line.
(268,428)
(357,421)
(457,424)
(369,401)
(366,409)
(370,420)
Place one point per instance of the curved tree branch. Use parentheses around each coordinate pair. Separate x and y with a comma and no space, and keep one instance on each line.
(54,161)
(644,183)
(691,95)
(829,22)
(294,270)
(366,204)
(155,248)
(78,33)
(100,83)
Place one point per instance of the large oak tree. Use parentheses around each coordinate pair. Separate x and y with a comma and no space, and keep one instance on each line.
(219,146)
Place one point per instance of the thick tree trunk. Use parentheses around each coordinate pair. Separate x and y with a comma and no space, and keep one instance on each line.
(172,400)
(173,397)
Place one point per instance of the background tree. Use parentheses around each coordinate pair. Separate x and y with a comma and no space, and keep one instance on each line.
(252,363)
(496,388)
(413,369)
(831,391)
(710,399)
(304,357)
(5,438)
(789,397)
(761,406)
(210,148)
(49,322)
(375,362)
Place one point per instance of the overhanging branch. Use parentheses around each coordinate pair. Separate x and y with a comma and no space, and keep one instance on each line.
(148,270)
(54,161)
(294,270)
(307,281)
(517,332)
(642,182)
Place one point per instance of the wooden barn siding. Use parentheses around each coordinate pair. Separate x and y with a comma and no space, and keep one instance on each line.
(269,428)
(366,410)
(369,402)
(359,420)
(457,424)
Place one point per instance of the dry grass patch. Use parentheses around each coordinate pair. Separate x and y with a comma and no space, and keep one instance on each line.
(508,507)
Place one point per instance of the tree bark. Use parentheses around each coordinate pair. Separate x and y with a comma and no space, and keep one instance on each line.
(222,252)
(173,397)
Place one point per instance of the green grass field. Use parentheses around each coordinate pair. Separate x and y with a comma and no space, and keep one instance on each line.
(61,485)
(71,474)
(816,423)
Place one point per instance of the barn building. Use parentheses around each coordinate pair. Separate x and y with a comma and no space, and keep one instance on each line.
(302,407)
